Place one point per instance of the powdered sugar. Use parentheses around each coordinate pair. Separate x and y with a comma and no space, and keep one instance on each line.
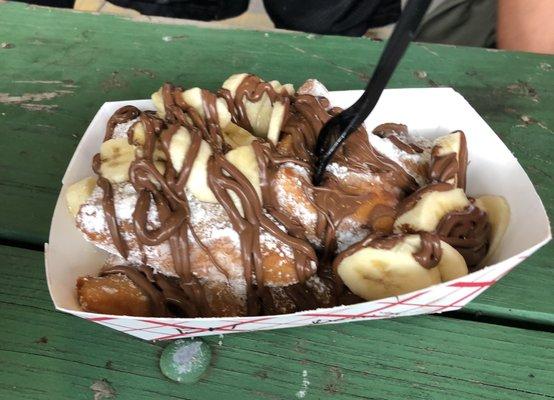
(274,244)
(400,157)
(120,130)
(338,170)
(349,232)
(212,221)
(300,210)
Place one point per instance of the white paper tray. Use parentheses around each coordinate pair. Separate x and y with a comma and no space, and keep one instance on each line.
(428,112)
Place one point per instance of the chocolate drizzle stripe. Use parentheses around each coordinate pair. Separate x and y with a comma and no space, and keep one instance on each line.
(468,231)
(428,255)
(333,202)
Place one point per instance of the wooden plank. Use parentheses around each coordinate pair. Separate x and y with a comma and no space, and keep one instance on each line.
(45,354)
(63,65)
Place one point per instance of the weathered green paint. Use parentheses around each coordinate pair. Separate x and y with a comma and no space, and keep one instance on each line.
(45,354)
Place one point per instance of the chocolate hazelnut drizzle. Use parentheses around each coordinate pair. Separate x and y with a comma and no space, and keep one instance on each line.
(251,88)
(124,114)
(450,166)
(430,252)
(428,255)
(468,231)
(305,115)
(397,133)
(168,193)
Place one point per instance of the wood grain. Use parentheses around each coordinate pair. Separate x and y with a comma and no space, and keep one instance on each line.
(62,65)
(45,354)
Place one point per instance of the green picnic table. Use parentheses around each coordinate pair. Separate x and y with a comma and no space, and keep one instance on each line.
(57,67)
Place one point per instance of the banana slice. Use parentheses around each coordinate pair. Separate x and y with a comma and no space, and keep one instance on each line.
(197,182)
(428,210)
(261,114)
(498,211)
(116,156)
(374,274)
(235,136)
(78,193)
(276,122)
(138,134)
(158,101)
(138,139)
(244,158)
(451,265)
(449,159)
(178,148)
(279,88)
(233,82)
(194,98)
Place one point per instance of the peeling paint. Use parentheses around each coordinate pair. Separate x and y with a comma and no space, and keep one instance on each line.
(304,387)
(103,390)
(39,107)
(6,98)
(545,66)
(524,89)
(172,38)
(32,101)
(429,50)
(40,82)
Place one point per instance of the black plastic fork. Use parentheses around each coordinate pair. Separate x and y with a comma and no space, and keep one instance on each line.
(339,127)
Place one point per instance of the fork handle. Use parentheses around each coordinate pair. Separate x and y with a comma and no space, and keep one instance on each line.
(397,44)
(351,118)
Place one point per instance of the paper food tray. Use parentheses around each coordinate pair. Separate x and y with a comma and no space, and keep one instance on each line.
(428,112)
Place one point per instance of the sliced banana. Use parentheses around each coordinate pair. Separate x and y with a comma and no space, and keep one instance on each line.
(235,136)
(78,193)
(451,265)
(116,156)
(453,143)
(178,148)
(158,101)
(197,182)
(139,134)
(194,98)
(233,82)
(498,212)
(139,137)
(244,159)
(450,143)
(276,122)
(430,208)
(261,113)
(374,274)
(288,87)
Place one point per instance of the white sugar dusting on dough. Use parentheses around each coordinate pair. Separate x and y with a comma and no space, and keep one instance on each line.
(120,130)
(400,157)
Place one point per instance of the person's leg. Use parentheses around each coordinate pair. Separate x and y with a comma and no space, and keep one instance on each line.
(334,17)
(205,10)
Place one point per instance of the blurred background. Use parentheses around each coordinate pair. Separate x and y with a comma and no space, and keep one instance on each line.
(524,25)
